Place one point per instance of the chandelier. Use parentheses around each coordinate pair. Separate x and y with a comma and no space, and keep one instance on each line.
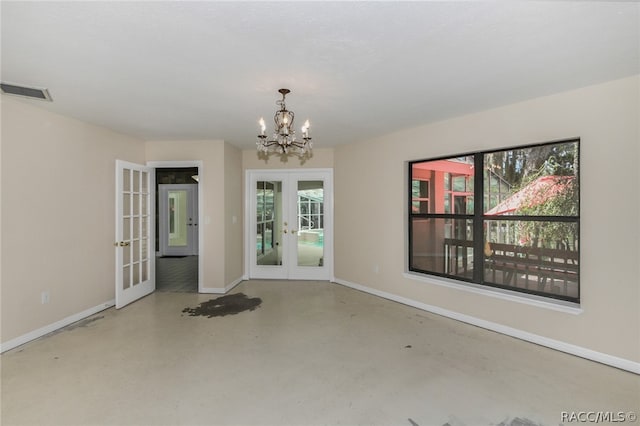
(284,135)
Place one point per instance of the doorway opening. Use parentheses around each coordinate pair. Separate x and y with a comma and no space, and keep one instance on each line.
(177,221)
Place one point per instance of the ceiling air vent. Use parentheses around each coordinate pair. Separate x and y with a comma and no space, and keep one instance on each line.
(27,92)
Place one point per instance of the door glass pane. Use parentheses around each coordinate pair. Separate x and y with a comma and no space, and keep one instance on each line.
(145,271)
(136,250)
(126,255)
(126,229)
(126,279)
(260,202)
(145,224)
(270,228)
(126,180)
(136,273)
(310,220)
(136,204)
(126,204)
(136,181)
(144,252)
(269,200)
(172,215)
(144,210)
(260,239)
(136,227)
(145,185)
(178,218)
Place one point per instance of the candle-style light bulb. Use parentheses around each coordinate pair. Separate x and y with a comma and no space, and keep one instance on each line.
(263,127)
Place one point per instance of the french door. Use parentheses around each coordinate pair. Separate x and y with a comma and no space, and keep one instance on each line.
(290,224)
(135,266)
(178,216)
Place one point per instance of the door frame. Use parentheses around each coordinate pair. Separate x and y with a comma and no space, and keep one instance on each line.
(249,176)
(201,217)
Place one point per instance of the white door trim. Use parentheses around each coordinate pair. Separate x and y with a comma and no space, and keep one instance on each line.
(250,177)
(201,189)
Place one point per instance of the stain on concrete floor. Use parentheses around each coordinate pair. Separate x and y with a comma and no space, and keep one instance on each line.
(519,421)
(83,323)
(226,305)
(87,322)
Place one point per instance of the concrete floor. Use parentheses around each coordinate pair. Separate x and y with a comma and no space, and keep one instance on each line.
(312,353)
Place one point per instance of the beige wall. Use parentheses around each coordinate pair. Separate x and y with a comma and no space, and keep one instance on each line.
(233,216)
(218,208)
(58,225)
(321,158)
(370,219)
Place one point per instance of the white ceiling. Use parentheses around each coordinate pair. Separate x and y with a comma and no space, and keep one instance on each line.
(210,70)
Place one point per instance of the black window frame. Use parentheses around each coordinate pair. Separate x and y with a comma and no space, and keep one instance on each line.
(479,218)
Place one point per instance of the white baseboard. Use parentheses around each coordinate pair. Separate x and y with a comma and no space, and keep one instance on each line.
(580,351)
(212,290)
(25,338)
(221,290)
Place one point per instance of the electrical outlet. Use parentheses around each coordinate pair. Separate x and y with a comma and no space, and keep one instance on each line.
(44,297)
(376,269)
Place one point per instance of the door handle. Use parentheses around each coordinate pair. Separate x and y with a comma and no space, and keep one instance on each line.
(121,244)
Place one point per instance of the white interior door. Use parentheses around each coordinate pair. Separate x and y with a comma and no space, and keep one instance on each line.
(178,216)
(290,225)
(135,264)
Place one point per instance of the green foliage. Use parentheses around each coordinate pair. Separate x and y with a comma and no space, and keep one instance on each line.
(559,198)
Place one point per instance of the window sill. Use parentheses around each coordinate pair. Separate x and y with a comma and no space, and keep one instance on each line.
(527,299)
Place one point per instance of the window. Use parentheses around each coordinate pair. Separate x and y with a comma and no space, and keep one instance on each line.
(506,218)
